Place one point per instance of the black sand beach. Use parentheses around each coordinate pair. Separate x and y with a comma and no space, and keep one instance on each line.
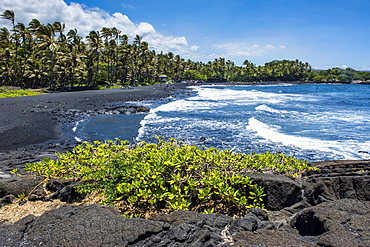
(29,124)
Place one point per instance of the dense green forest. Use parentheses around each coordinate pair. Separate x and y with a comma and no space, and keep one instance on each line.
(40,55)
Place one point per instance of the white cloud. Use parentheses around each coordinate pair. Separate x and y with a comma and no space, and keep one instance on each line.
(245,50)
(194,48)
(128,6)
(361,68)
(86,19)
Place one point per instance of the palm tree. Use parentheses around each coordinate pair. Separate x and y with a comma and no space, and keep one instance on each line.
(123,58)
(50,58)
(50,47)
(59,27)
(137,40)
(5,55)
(9,15)
(95,46)
(15,77)
(74,56)
(111,38)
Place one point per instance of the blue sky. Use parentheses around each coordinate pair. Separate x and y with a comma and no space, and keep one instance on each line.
(323,33)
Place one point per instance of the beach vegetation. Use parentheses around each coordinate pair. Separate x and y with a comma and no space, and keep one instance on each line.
(21,197)
(14,171)
(7,93)
(148,178)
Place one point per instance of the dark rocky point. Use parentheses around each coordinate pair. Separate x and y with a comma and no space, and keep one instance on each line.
(342,219)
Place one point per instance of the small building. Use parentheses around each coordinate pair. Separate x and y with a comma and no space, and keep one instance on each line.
(163,78)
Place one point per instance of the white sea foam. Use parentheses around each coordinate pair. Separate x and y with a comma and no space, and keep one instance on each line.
(154,118)
(350,150)
(185,105)
(269,109)
(141,132)
(245,97)
(347,116)
(220,113)
(78,139)
(75,127)
(207,99)
(211,98)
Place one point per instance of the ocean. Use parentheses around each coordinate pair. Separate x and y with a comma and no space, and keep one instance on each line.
(312,122)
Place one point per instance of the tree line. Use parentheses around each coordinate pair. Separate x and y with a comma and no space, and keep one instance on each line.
(340,75)
(45,55)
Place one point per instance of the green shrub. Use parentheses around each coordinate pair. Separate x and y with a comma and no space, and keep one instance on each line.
(167,176)
(8,93)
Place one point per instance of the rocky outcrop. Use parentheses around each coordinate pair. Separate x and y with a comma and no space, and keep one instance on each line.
(64,190)
(17,159)
(71,115)
(20,185)
(337,180)
(35,188)
(343,222)
(339,223)
(78,226)
(328,207)
(281,191)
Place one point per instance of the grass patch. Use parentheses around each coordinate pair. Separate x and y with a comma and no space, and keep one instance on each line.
(149,178)
(8,93)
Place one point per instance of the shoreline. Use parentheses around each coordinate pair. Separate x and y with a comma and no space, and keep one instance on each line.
(31,126)
(33,120)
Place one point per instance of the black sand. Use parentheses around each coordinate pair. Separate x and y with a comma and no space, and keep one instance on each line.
(28,124)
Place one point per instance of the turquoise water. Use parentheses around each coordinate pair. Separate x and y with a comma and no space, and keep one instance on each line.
(309,121)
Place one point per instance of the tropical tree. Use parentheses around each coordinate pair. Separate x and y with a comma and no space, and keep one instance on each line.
(93,57)
(43,55)
(13,67)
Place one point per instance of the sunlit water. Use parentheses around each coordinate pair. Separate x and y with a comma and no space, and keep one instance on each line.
(308,121)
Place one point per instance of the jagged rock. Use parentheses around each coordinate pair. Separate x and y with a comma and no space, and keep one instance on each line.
(20,185)
(340,238)
(189,229)
(64,189)
(256,219)
(4,175)
(324,189)
(329,221)
(340,223)
(260,213)
(71,115)
(10,160)
(343,222)
(267,238)
(11,235)
(92,225)
(337,180)
(247,223)
(32,187)
(9,199)
(281,191)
